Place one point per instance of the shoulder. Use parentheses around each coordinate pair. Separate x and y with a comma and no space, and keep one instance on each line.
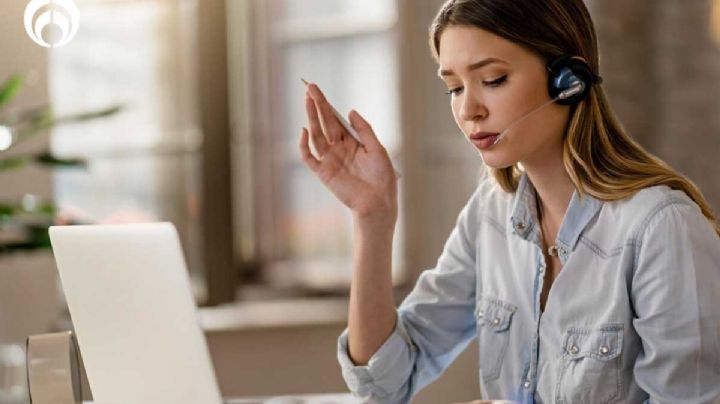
(635,214)
(488,204)
(488,199)
(488,191)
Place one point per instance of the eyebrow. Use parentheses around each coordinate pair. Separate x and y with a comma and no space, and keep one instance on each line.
(473,66)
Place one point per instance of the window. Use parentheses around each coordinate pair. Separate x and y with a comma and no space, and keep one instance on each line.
(144,161)
(297,231)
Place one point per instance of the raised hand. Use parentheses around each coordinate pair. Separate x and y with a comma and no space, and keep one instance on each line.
(361,176)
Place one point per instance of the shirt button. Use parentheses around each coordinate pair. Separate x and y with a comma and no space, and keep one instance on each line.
(574,349)
(527,384)
(496,321)
(481,313)
(520,226)
(604,350)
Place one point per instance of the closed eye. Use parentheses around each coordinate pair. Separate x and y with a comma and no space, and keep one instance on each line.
(454,91)
(496,83)
(493,84)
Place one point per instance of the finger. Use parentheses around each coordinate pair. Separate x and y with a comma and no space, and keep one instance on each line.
(364,130)
(307,156)
(332,128)
(316,134)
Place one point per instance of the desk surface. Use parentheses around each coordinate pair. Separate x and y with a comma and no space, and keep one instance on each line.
(299,399)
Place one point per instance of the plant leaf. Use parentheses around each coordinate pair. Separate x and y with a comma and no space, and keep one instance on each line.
(44,119)
(46,158)
(87,116)
(13,163)
(10,88)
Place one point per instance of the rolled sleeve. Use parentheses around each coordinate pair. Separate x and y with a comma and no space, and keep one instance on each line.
(387,370)
(675,294)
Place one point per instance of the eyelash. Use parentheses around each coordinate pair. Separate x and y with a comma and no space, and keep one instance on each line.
(495,83)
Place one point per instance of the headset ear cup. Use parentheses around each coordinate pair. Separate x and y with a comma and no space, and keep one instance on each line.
(563,72)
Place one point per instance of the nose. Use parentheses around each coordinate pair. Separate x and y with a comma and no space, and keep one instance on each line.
(472,108)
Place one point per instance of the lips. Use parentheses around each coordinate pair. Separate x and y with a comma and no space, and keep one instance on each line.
(482,135)
(484,140)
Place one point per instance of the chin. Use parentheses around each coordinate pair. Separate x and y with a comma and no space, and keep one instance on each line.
(496,160)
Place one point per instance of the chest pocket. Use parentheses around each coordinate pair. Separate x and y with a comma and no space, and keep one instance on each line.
(494,318)
(590,368)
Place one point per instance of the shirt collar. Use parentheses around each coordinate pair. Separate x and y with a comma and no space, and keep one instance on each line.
(580,211)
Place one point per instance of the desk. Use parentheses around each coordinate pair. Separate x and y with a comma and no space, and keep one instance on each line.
(300,399)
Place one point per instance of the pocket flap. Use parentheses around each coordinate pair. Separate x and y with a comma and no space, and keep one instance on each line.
(603,343)
(495,314)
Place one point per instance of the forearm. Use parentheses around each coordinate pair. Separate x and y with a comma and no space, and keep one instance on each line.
(372,314)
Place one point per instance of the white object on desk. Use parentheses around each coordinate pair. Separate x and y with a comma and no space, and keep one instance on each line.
(135,318)
(53,369)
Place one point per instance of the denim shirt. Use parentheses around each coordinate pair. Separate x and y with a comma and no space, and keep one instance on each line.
(632,317)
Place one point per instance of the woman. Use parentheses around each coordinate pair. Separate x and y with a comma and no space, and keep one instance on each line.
(587,268)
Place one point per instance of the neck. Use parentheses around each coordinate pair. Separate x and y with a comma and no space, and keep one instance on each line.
(554,189)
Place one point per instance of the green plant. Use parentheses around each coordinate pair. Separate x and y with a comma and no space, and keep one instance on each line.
(24,222)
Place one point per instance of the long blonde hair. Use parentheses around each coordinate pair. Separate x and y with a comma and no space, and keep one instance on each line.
(601,159)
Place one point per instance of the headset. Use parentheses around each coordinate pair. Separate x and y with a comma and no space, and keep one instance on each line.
(566,73)
(569,82)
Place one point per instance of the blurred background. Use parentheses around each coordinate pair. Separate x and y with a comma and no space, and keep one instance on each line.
(190,111)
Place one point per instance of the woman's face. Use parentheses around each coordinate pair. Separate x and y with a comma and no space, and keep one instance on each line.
(493,83)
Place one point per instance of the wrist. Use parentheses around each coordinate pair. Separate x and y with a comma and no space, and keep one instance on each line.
(376,223)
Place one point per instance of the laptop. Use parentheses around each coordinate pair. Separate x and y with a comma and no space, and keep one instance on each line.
(129,296)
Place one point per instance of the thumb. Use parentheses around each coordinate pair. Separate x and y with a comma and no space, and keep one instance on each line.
(363,128)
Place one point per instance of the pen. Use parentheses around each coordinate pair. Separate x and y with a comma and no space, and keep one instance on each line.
(342,120)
